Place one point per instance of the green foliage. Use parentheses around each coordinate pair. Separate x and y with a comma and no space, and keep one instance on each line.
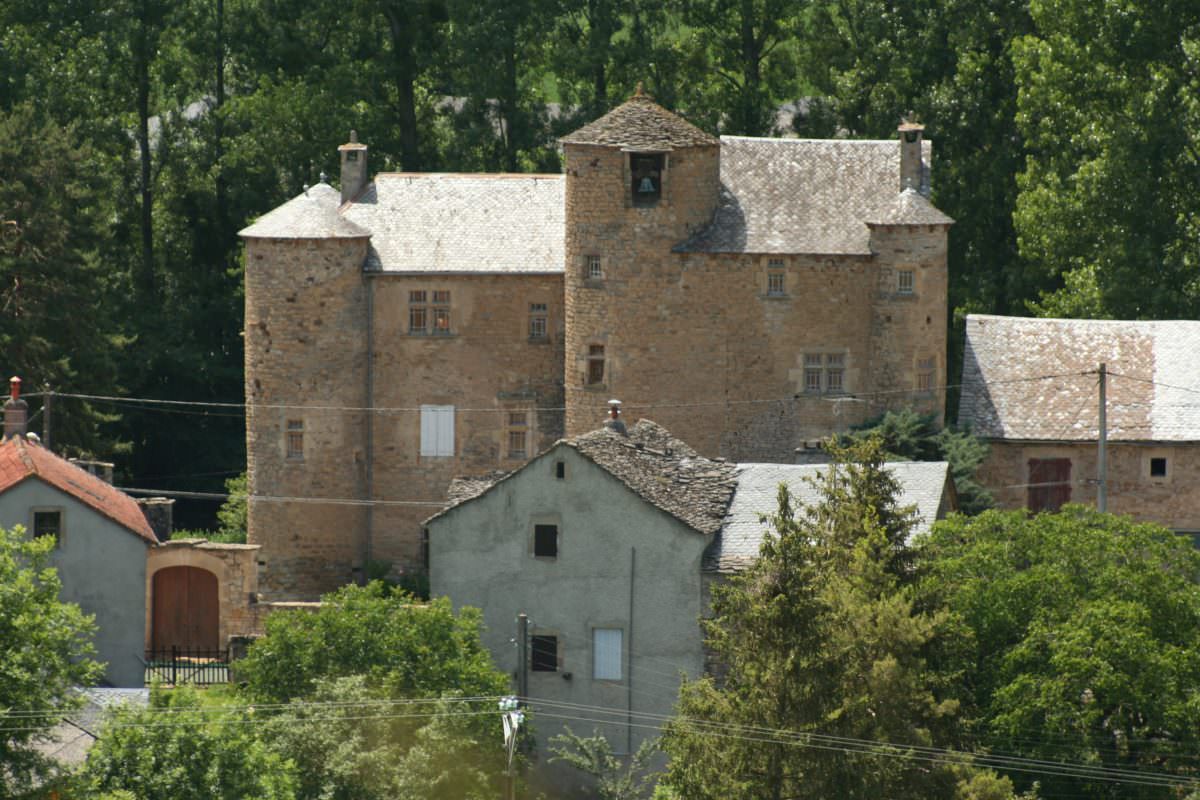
(1077,636)
(909,436)
(178,749)
(616,778)
(821,635)
(404,648)
(45,652)
(232,514)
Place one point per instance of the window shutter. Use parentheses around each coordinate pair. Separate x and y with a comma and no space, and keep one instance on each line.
(606,654)
(437,430)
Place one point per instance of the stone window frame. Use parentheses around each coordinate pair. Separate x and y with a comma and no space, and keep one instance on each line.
(293,439)
(825,372)
(926,370)
(518,432)
(596,375)
(906,282)
(1168,466)
(593,267)
(429,312)
(776,278)
(61,527)
(539,322)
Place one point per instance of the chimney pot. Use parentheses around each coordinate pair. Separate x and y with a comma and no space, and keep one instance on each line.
(16,410)
(614,422)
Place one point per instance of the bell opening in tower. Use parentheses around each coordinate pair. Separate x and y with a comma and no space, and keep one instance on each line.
(646,170)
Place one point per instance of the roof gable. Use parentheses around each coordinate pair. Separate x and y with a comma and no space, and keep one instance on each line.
(923,484)
(1034,379)
(21,460)
(805,195)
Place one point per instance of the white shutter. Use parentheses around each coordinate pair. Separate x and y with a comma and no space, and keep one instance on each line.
(437,430)
(606,654)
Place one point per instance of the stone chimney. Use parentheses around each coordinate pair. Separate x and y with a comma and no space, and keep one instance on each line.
(16,410)
(160,513)
(910,156)
(614,422)
(354,167)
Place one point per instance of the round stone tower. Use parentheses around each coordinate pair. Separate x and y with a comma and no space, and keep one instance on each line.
(639,181)
(305,426)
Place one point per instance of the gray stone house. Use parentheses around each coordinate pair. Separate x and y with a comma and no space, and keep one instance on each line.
(1031,390)
(102,539)
(610,542)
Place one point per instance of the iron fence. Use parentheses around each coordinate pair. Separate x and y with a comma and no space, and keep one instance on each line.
(176,665)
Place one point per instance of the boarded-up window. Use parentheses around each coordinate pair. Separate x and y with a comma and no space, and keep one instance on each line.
(1049,483)
(606,654)
(437,430)
(543,654)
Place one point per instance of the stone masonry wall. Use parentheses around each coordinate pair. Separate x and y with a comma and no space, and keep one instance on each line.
(698,343)
(1172,500)
(237,580)
(306,365)
(487,368)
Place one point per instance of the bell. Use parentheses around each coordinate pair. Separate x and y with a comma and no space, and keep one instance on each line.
(646,186)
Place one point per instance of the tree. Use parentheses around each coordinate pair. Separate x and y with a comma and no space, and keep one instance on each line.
(1078,640)
(406,648)
(909,436)
(45,655)
(616,778)
(821,636)
(178,749)
(1107,217)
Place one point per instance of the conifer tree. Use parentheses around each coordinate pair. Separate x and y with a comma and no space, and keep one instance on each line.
(821,637)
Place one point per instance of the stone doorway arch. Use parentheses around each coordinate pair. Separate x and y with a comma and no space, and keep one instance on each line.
(186,609)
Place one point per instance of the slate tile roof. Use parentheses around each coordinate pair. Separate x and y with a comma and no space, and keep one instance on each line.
(922,484)
(21,459)
(910,207)
(806,195)
(311,215)
(468,223)
(641,124)
(663,471)
(1023,379)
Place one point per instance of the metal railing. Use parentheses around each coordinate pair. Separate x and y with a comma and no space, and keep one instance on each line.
(176,665)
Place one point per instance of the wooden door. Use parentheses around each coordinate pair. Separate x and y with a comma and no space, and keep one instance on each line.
(186,613)
(1049,483)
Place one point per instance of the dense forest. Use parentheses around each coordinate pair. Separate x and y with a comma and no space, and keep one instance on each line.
(138,136)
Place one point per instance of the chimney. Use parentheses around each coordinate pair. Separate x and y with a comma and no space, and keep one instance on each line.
(16,410)
(101,469)
(614,422)
(911,170)
(160,513)
(354,167)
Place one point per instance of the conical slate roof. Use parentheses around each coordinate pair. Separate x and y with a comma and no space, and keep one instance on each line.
(311,215)
(641,124)
(910,207)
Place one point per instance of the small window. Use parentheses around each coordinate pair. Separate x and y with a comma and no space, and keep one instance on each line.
(543,653)
(775,284)
(417,296)
(606,654)
(595,369)
(925,370)
(560,470)
(518,428)
(595,269)
(904,281)
(441,321)
(441,296)
(646,170)
(537,320)
(812,372)
(418,320)
(295,440)
(437,430)
(47,523)
(545,541)
(1158,468)
(835,369)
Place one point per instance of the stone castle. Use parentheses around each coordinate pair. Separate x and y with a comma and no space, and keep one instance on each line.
(751,295)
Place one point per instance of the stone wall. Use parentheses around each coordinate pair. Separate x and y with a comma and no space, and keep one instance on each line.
(1172,500)
(306,366)
(698,342)
(237,580)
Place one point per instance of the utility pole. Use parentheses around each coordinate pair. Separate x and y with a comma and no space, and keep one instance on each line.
(1102,453)
(522,657)
(46,417)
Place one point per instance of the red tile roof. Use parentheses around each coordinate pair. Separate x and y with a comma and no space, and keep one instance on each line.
(21,459)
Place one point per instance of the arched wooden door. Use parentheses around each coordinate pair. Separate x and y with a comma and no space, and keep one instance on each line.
(186,612)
